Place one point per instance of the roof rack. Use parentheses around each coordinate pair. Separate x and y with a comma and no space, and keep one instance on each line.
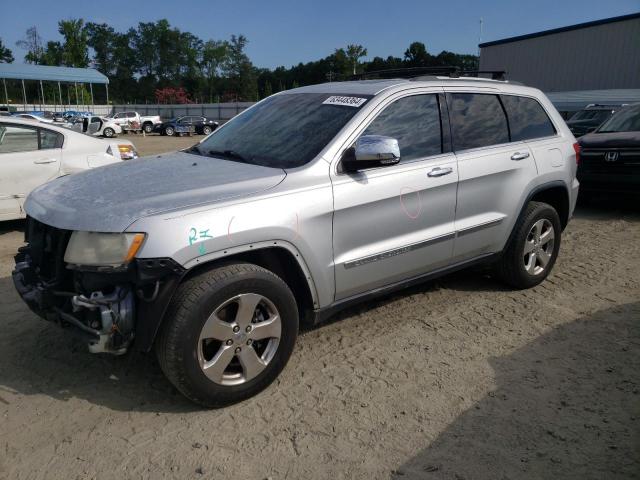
(425,72)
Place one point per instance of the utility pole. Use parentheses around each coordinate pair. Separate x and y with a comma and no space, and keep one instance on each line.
(479,41)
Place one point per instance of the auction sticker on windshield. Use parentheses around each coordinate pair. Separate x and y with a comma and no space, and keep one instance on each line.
(345,101)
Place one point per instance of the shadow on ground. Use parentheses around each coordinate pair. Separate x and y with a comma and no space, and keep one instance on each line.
(567,405)
(12,226)
(37,357)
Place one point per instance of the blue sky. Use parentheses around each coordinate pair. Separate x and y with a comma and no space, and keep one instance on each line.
(287,32)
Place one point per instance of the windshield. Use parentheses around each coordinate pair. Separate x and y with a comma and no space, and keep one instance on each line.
(626,120)
(283,131)
(595,115)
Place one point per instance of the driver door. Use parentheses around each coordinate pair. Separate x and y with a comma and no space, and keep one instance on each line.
(397,222)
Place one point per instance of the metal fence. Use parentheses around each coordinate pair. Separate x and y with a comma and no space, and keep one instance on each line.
(101,110)
(216,111)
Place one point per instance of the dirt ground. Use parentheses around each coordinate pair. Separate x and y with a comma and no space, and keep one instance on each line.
(153,144)
(459,378)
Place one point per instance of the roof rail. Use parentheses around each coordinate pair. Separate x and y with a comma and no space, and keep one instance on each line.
(425,72)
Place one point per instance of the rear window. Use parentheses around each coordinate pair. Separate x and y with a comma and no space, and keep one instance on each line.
(527,118)
(477,120)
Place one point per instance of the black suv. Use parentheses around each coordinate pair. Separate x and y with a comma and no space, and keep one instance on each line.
(610,156)
(587,120)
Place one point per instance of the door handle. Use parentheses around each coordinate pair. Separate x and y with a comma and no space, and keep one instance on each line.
(520,156)
(43,161)
(439,172)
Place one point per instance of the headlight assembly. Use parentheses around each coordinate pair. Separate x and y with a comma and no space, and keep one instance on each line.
(103,249)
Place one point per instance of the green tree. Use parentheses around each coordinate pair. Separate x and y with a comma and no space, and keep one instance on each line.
(339,62)
(240,70)
(214,56)
(354,54)
(32,43)
(101,38)
(416,55)
(75,43)
(53,54)
(268,91)
(5,54)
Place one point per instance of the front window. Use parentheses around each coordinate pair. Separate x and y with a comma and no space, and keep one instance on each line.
(283,131)
(626,120)
(415,122)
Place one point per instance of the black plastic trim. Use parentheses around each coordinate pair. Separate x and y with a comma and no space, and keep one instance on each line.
(323,314)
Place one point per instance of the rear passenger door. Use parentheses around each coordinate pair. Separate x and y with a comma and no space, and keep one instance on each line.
(494,170)
(29,157)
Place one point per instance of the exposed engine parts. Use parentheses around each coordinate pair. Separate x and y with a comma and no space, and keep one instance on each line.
(111,317)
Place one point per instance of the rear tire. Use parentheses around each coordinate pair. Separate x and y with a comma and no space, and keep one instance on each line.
(206,130)
(533,249)
(207,348)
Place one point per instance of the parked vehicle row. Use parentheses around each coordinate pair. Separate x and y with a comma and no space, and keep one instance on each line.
(311,200)
(123,122)
(33,153)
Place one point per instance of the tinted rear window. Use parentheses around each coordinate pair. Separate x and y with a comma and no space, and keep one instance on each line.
(477,120)
(527,118)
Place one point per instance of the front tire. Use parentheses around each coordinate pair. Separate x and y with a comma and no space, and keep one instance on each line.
(147,127)
(533,249)
(169,132)
(108,132)
(228,334)
(206,130)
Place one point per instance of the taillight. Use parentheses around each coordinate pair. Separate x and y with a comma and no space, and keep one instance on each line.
(576,148)
(127,152)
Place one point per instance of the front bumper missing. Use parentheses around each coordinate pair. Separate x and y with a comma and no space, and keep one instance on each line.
(107,308)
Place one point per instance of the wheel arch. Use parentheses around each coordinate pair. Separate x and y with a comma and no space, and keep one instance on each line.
(555,193)
(280,257)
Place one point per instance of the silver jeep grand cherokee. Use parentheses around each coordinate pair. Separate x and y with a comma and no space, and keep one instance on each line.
(310,200)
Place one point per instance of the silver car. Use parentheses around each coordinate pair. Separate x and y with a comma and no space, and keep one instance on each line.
(311,200)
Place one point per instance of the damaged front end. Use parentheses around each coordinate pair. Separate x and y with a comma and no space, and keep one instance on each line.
(108,307)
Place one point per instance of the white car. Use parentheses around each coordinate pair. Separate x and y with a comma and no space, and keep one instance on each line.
(96,126)
(133,120)
(34,153)
(29,116)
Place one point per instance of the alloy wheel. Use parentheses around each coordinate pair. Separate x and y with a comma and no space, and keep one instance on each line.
(538,247)
(239,339)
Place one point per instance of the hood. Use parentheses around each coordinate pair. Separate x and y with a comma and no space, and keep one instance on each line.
(611,140)
(110,198)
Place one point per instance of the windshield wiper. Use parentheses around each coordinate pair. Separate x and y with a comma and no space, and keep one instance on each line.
(230,154)
(194,149)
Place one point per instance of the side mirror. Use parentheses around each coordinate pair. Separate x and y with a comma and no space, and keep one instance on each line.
(371,151)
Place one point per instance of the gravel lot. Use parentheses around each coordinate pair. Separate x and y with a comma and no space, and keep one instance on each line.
(153,144)
(459,378)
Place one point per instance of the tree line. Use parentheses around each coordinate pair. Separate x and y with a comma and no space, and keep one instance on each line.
(157,62)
